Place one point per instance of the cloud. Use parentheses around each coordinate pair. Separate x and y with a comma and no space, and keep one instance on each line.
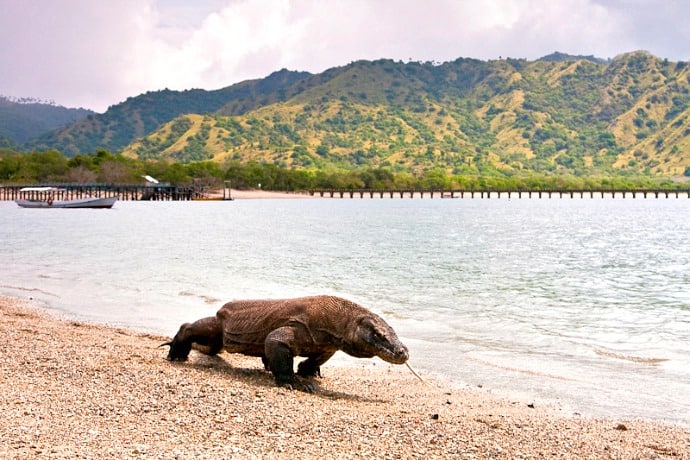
(654,26)
(94,54)
(72,51)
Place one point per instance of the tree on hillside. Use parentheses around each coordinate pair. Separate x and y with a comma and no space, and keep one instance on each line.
(81,175)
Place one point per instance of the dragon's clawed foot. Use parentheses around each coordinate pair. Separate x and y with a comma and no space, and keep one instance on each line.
(298,384)
(307,369)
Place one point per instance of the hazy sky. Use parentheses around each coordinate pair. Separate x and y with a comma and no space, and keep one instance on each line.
(96,53)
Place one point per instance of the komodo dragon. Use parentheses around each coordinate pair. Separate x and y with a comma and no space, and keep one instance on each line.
(279,330)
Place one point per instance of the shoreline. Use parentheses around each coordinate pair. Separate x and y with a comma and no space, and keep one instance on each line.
(255,194)
(73,389)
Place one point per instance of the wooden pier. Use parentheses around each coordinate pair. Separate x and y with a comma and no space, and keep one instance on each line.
(123,192)
(410,193)
(174,193)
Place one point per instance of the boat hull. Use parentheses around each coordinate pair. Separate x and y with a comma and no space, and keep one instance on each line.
(103,203)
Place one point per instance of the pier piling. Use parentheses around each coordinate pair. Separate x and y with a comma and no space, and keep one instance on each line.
(487,194)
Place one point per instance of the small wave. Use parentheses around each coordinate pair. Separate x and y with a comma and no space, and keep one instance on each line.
(634,359)
(522,371)
(23,289)
(207,299)
(395,314)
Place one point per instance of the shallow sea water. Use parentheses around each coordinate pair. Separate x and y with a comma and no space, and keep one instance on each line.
(578,301)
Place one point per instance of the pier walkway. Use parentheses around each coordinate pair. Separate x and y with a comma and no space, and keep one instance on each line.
(410,193)
(175,193)
(123,192)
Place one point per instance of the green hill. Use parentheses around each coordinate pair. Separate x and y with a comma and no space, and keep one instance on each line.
(137,116)
(560,114)
(23,120)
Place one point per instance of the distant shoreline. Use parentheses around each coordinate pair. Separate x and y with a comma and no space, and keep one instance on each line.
(255,194)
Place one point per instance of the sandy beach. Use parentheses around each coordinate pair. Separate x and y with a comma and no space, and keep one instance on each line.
(75,390)
(255,194)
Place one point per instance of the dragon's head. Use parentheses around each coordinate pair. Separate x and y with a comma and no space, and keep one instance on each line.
(372,336)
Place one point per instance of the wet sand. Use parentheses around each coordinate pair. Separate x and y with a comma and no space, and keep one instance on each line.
(76,390)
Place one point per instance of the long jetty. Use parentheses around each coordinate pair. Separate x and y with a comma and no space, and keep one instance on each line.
(175,193)
(438,193)
(123,192)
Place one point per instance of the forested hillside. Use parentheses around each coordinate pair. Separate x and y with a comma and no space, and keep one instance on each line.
(560,114)
(137,116)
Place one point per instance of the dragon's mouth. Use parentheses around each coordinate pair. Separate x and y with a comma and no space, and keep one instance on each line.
(394,355)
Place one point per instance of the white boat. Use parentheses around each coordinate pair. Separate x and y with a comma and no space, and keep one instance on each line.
(47,200)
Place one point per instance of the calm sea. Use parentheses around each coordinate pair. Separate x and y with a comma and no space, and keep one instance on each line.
(580,302)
